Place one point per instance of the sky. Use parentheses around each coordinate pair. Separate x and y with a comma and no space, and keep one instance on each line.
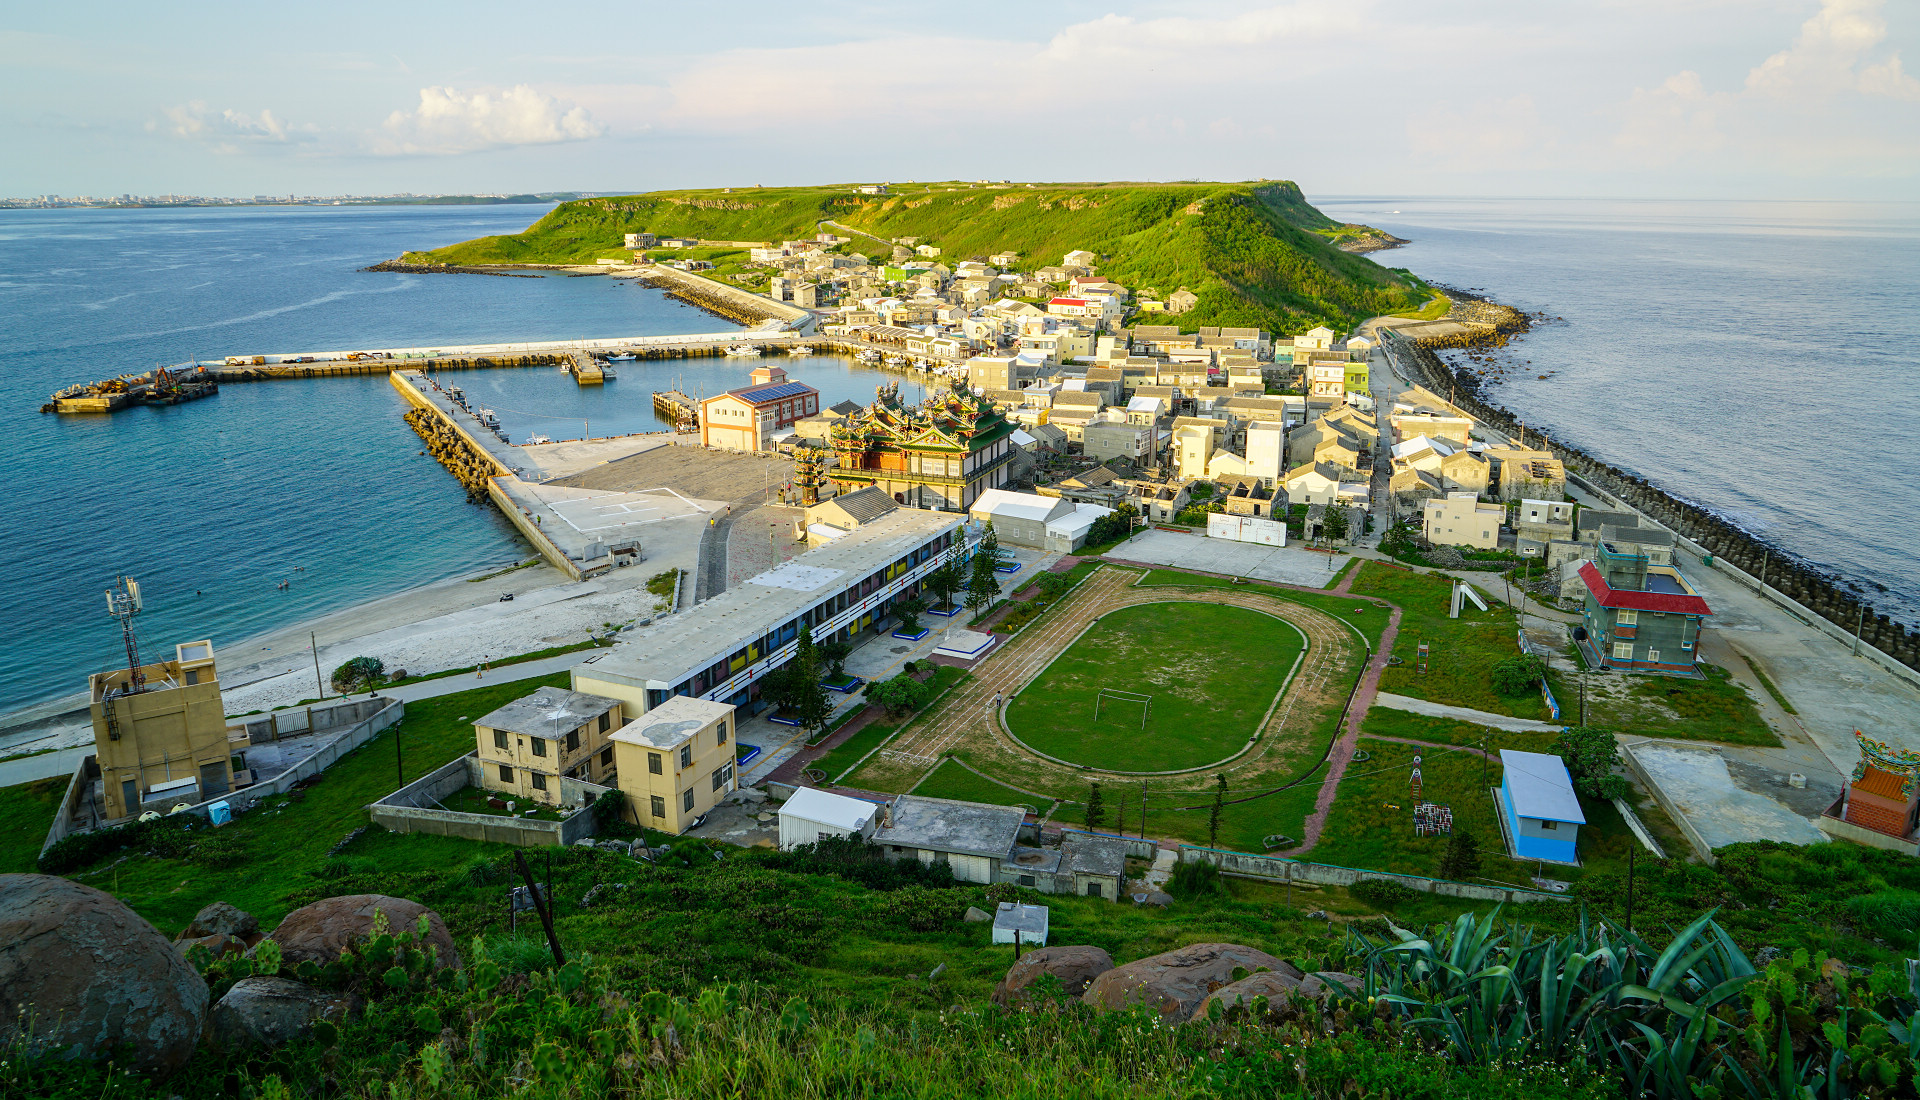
(1767,99)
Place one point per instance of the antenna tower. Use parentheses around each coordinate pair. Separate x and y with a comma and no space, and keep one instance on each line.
(123,603)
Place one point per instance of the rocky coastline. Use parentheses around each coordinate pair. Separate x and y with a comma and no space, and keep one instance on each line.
(1822,593)
(443,269)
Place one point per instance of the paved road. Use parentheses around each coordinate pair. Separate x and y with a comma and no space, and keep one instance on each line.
(1463,714)
(59,762)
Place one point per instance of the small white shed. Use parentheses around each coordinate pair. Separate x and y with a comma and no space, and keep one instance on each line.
(1014,920)
(813,815)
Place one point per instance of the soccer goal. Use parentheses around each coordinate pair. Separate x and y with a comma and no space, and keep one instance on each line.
(1124,699)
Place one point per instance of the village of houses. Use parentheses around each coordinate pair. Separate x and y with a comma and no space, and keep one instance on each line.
(1061,400)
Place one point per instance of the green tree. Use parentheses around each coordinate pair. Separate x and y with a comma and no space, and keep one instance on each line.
(1096,813)
(808,702)
(1336,524)
(1518,674)
(948,579)
(982,589)
(901,695)
(1114,525)
(909,610)
(1462,858)
(1591,755)
(834,655)
(1213,815)
(358,674)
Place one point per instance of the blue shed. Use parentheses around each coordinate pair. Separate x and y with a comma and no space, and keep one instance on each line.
(1543,815)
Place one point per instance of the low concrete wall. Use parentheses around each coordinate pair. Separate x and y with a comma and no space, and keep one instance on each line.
(1694,840)
(78,787)
(1840,829)
(411,809)
(1136,848)
(1275,869)
(297,721)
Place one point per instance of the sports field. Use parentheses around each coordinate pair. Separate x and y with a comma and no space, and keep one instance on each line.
(1212,671)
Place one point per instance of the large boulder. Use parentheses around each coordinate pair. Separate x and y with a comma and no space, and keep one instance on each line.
(1322,982)
(221,919)
(79,970)
(1076,967)
(319,932)
(1175,982)
(221,945)
(1274,985)
(267,1011)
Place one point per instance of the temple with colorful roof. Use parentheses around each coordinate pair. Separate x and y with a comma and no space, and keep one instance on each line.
(940,454)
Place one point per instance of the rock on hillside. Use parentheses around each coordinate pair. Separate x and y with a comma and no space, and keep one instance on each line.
(1274,985)
(319,932)
(1175,982)
(1076,967)
(78,969)
(264,1011)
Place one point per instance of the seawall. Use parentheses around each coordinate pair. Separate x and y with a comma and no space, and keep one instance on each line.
(1758,563)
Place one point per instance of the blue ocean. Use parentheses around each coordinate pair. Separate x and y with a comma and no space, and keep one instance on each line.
(213,504)
(1756,358)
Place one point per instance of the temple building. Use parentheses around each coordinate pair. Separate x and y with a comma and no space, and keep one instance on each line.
(941,454)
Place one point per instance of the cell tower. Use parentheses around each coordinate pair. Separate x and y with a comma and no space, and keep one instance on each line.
(123,603)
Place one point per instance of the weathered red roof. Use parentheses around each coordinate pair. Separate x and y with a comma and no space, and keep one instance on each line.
(1883,783)
(1068,302)
(1669,602)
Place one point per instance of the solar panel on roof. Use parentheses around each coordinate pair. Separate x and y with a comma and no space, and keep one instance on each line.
(774,391)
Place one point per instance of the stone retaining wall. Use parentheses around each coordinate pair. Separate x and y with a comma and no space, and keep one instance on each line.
(1276,869)
(412,809)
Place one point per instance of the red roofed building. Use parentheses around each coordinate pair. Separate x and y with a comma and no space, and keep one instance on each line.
(1639,617)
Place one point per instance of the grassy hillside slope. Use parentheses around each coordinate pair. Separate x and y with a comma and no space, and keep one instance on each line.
(1255,253)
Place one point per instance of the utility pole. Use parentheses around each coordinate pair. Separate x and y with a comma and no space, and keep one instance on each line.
(318,682)
(1632,849)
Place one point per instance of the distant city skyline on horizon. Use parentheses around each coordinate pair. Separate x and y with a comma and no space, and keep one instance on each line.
(1736,99)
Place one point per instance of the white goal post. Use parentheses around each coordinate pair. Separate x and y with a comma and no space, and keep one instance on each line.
(1128,697)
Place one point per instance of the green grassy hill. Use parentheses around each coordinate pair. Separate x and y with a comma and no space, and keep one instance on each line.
(1255,253)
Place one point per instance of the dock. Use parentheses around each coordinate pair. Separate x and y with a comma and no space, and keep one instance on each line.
(678,409)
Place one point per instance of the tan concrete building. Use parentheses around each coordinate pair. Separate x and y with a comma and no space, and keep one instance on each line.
(160,736)
(527,745)
(676,762)
(746,419)
(1461,520)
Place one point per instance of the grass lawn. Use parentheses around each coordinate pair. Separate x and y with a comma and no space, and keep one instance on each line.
(849,752)
(1714,709)
(1203,709)
(287,838)
(953,780)
(1463,651)
(473,800)
(26,813)
(1363,616)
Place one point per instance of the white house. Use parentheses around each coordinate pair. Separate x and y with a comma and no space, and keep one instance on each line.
(1031,520)
(813,815)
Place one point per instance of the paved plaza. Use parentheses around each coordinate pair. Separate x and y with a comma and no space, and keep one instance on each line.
(1283,564)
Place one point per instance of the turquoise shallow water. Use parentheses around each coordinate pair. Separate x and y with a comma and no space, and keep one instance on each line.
(212,504)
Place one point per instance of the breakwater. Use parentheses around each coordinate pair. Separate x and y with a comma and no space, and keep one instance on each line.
(444,269)
(1774,568)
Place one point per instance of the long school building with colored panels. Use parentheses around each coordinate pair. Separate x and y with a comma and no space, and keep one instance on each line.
(941,454)
(722,648)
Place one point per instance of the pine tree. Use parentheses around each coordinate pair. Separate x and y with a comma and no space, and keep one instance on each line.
(1095,812)
(811,707)
(1462,859)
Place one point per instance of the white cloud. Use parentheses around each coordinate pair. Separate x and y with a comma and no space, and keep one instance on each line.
(1678,117)
(1501,129)
(1825,54)
(227,130)
(449,122)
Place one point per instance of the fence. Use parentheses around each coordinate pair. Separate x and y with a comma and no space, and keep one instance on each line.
(414,809)
(1276,869)
(73,803)
(362,729)
(305,720)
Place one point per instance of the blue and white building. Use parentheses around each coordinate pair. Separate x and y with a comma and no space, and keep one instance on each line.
(1540,813)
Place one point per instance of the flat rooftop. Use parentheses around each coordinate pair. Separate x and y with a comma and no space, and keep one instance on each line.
(549,712)
(715,629)
(943,825)
(668,725)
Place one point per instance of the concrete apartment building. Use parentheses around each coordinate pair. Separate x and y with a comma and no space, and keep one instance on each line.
(675,762)
(748,418)
(160,733)
(1459,519)
(1639,617)
(1105,440)
(752,628)
(526,746)
(1031,520)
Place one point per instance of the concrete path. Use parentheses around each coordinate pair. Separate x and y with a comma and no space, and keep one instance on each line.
(58,762)
(1341,755)
(1464,714)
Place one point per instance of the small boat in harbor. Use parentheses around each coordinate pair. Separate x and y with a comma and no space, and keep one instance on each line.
(486,418)
(867,355)
(738,350)
(895,360)
(800,349)
(919,364)
(622,357)
(534,439)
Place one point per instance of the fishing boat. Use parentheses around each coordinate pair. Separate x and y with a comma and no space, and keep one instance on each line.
(738,350)
(800,349)
(867,355)
(895,360)
(533,439)
(622,357)
(486,418)
(919,364)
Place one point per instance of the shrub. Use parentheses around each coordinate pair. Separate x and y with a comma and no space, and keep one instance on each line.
(901,695)
(1886,911)
(1195,879)
(358,674)
(1518,674)
(1382,893)
(1590,755)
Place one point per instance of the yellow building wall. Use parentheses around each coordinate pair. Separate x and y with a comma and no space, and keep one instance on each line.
(641,785)
(164,735)
(519,755)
